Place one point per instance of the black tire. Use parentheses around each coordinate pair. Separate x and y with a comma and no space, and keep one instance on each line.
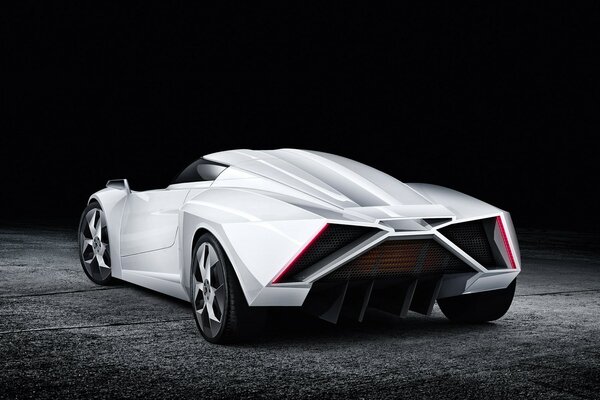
(238,321)
(102,275)
(478,307)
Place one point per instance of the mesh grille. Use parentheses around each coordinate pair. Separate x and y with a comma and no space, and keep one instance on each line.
(471,238)
(399,259)
(333,238)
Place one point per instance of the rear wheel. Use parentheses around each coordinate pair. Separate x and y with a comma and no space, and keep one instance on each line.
(94,248)
(220,308)
(478,307)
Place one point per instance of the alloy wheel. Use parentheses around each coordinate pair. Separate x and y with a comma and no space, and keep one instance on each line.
(209,290)
(94,246)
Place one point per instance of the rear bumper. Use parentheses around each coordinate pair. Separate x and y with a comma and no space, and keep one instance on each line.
(347,271)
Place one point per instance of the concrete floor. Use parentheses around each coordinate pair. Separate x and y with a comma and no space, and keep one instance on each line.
(61,335)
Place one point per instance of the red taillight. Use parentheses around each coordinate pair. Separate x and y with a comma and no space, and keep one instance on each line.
(296,257)
(511,256)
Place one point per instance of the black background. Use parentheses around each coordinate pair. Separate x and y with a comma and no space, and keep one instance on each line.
(497,101)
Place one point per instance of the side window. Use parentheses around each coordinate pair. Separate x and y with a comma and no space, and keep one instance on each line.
(201,170)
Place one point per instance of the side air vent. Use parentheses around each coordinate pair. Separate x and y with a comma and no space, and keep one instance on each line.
(474,239)
(330,239)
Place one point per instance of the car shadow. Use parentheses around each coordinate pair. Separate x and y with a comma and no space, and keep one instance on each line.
(293,326)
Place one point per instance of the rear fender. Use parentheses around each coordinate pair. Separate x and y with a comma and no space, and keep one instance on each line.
(467,208)
(259,234)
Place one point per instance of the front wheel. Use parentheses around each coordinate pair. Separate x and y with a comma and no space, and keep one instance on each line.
(94,249)
(478,307)
(220,308)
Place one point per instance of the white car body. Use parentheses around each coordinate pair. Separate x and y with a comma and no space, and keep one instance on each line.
(266,207)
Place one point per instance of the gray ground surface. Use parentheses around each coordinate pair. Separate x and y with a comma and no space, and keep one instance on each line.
(61,335)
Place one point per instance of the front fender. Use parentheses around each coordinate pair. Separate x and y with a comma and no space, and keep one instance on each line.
(113,203)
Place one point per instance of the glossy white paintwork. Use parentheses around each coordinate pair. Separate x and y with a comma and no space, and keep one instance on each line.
(151,220)
(266,206)
(333,179)
(157,270)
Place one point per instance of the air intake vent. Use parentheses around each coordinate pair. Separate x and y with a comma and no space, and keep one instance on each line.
(472,238)
(400,259)
(333,238)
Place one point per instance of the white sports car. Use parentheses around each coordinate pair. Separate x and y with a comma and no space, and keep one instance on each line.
(239,231)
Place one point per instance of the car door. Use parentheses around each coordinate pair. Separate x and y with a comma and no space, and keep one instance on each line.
(150,220)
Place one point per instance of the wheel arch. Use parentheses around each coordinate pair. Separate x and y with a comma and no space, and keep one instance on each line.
(190,237)
(199,232)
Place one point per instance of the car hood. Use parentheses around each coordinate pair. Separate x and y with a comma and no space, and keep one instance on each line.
(336,180)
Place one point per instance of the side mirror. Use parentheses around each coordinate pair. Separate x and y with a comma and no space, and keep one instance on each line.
(120,184)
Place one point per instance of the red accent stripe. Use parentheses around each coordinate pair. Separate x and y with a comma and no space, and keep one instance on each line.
(500,223)
(299,254)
